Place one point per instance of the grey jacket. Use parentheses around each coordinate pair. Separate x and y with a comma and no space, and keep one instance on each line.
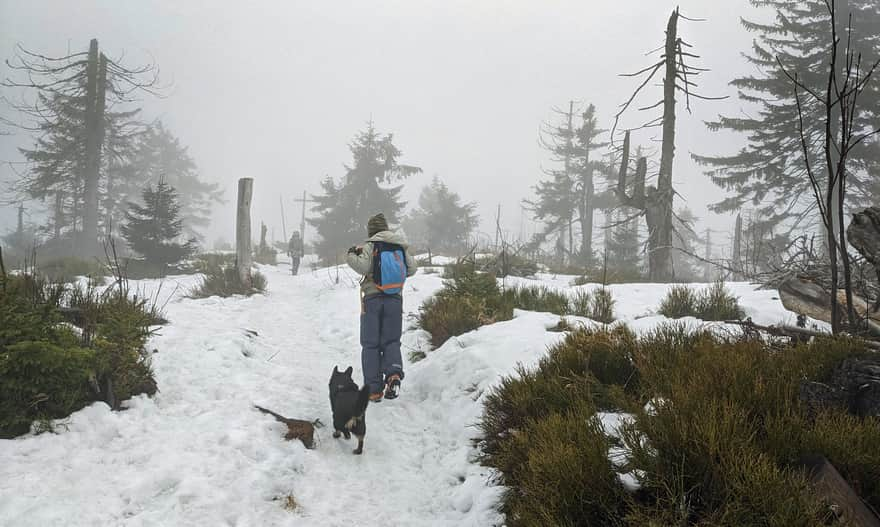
(363,263)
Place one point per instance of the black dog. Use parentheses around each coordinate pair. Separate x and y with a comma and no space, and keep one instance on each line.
(349,407)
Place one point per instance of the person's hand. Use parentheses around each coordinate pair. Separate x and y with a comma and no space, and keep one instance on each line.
(353,249)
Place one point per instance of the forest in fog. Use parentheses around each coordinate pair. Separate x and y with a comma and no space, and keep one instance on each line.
(601,263)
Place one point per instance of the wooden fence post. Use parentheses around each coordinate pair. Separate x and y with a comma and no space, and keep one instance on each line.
(243,252)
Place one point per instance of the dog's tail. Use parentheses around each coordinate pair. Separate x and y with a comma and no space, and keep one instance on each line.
(363,401)
(273,414)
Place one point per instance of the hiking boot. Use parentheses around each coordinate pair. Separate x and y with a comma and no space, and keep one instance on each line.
(376,397)
(392,386)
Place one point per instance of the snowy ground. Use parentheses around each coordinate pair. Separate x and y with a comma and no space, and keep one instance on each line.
(198,454)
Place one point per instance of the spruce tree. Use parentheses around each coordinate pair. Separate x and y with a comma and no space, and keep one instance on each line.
(588,163)
(556,200)
(769,172)
(345,206)
(58,155)
(160,155)
(442,223)
(73,95)
(154,229)
(623,246)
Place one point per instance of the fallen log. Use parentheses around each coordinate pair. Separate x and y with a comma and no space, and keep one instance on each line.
(808,298)
(846,506)
(795,332)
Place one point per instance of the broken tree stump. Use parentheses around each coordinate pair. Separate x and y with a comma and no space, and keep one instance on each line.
(243,252)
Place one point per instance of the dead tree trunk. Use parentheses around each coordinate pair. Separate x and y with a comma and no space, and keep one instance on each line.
(93,147)
(243,252)
(648,201)
(659,200)
(662,270)
(736,257)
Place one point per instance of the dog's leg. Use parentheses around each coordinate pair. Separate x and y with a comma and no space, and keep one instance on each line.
(360,449)
(347,434)
(336,434)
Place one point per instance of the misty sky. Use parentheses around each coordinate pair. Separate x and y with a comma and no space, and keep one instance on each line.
(276,90)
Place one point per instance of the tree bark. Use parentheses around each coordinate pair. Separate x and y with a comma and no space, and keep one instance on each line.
(96,75)
(835,490)
(662,270)
(243,252)
(58,214)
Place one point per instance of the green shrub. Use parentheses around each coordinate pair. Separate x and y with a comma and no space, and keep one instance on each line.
(579,303)
(680,301)
(68,269)
(718,444)
(588,365)
(48,370)
(715,303)
(140,269)
(564,476)
(504,265)
(602,306)
(730,425)
(42,380)
(223,280)
(609,276)
(468,300)
(538,298)
(445,317)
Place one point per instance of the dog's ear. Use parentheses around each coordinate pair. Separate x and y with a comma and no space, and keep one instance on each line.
(348,371)
(335,369)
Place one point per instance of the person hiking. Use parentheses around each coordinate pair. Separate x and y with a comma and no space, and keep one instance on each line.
(295,251)
(385,264)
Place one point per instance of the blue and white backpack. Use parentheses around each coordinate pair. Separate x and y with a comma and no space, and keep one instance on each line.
(389,267)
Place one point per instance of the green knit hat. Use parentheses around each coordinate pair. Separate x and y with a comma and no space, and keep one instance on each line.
(376,224)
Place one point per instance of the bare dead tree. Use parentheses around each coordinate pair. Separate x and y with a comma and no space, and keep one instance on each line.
(656,203)
(840,101)
(89,79)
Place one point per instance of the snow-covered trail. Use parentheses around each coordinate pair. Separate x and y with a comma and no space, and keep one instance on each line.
(199,454)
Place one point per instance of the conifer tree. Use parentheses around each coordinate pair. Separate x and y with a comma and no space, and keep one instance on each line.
(556,200)
(73,95)
(770,171)
(160,155)
(587,162)
(345,206)
(154,229)
(442,223)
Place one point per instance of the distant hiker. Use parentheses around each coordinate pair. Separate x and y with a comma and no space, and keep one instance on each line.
(295,251)
(385,264)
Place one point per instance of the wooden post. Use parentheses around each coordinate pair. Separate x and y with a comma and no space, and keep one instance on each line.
(243,253)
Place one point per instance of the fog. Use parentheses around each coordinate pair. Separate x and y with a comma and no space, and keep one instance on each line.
(276,90)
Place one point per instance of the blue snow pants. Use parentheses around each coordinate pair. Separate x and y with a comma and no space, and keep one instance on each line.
(381,326)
